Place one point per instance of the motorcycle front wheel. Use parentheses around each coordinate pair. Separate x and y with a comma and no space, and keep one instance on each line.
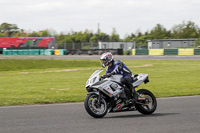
(93,108)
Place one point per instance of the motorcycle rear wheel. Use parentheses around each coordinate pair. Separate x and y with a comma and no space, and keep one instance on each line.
(92,107)
(150,104)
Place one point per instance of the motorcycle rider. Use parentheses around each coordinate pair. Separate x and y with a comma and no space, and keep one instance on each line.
(118,67)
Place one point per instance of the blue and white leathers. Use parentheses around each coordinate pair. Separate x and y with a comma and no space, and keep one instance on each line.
(118,67)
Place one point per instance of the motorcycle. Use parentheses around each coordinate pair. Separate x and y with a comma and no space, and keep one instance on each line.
(105,95)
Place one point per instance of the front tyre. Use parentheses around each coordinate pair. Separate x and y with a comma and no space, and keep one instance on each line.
(93,108)
(149,105)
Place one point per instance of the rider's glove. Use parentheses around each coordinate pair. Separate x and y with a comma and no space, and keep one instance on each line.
(108,75)
(104,76)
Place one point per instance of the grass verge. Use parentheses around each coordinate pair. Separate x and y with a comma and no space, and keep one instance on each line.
(39,81)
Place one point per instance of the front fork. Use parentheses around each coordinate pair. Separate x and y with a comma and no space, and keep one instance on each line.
(99,99)
(110,104)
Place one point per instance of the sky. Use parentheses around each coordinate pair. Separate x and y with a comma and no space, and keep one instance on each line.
(126,16)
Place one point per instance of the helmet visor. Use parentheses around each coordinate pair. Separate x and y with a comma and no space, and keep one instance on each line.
(103,62)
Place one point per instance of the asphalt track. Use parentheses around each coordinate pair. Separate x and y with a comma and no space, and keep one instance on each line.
(122,57)
(173,115)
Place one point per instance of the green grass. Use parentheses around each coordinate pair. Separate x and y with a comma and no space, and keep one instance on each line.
(27,64)
(39,81)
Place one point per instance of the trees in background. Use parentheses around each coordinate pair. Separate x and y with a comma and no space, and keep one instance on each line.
(159,32)
(114,36)
(185,30)
(180,31)
(7,29)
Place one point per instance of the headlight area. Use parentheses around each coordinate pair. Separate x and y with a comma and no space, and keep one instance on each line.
(90,81)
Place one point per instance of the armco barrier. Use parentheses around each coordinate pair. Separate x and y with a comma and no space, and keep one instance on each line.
(49,52)
(30,52)
(156,51)
(185,51)
(4,52)
(142,52)
(57,52)
(60,51)
(25,52)
(34,52)
(165,51)
(42,52)
(19,52)
(63,51)
(170,51)
(14,52)
(9,52)
(133,51)
(196,51)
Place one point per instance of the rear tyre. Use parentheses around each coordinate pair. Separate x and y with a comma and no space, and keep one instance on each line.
(92,107)
(149,105)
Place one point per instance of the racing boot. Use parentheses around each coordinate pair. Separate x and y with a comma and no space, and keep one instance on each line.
(125,97)
(129,100)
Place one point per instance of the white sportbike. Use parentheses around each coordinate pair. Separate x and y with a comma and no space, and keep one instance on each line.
(106,95)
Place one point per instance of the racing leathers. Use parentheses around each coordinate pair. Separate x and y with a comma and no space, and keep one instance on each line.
(118,67)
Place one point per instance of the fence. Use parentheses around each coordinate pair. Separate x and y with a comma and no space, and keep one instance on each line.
(82,45)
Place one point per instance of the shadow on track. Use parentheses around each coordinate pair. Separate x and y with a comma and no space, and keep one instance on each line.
(140,115)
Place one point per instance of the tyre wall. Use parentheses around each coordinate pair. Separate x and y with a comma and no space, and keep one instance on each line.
(166,52)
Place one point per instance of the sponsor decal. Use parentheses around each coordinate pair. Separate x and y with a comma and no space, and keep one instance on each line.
(119,107)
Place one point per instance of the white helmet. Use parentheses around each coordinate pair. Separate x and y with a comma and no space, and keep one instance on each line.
(105,59)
